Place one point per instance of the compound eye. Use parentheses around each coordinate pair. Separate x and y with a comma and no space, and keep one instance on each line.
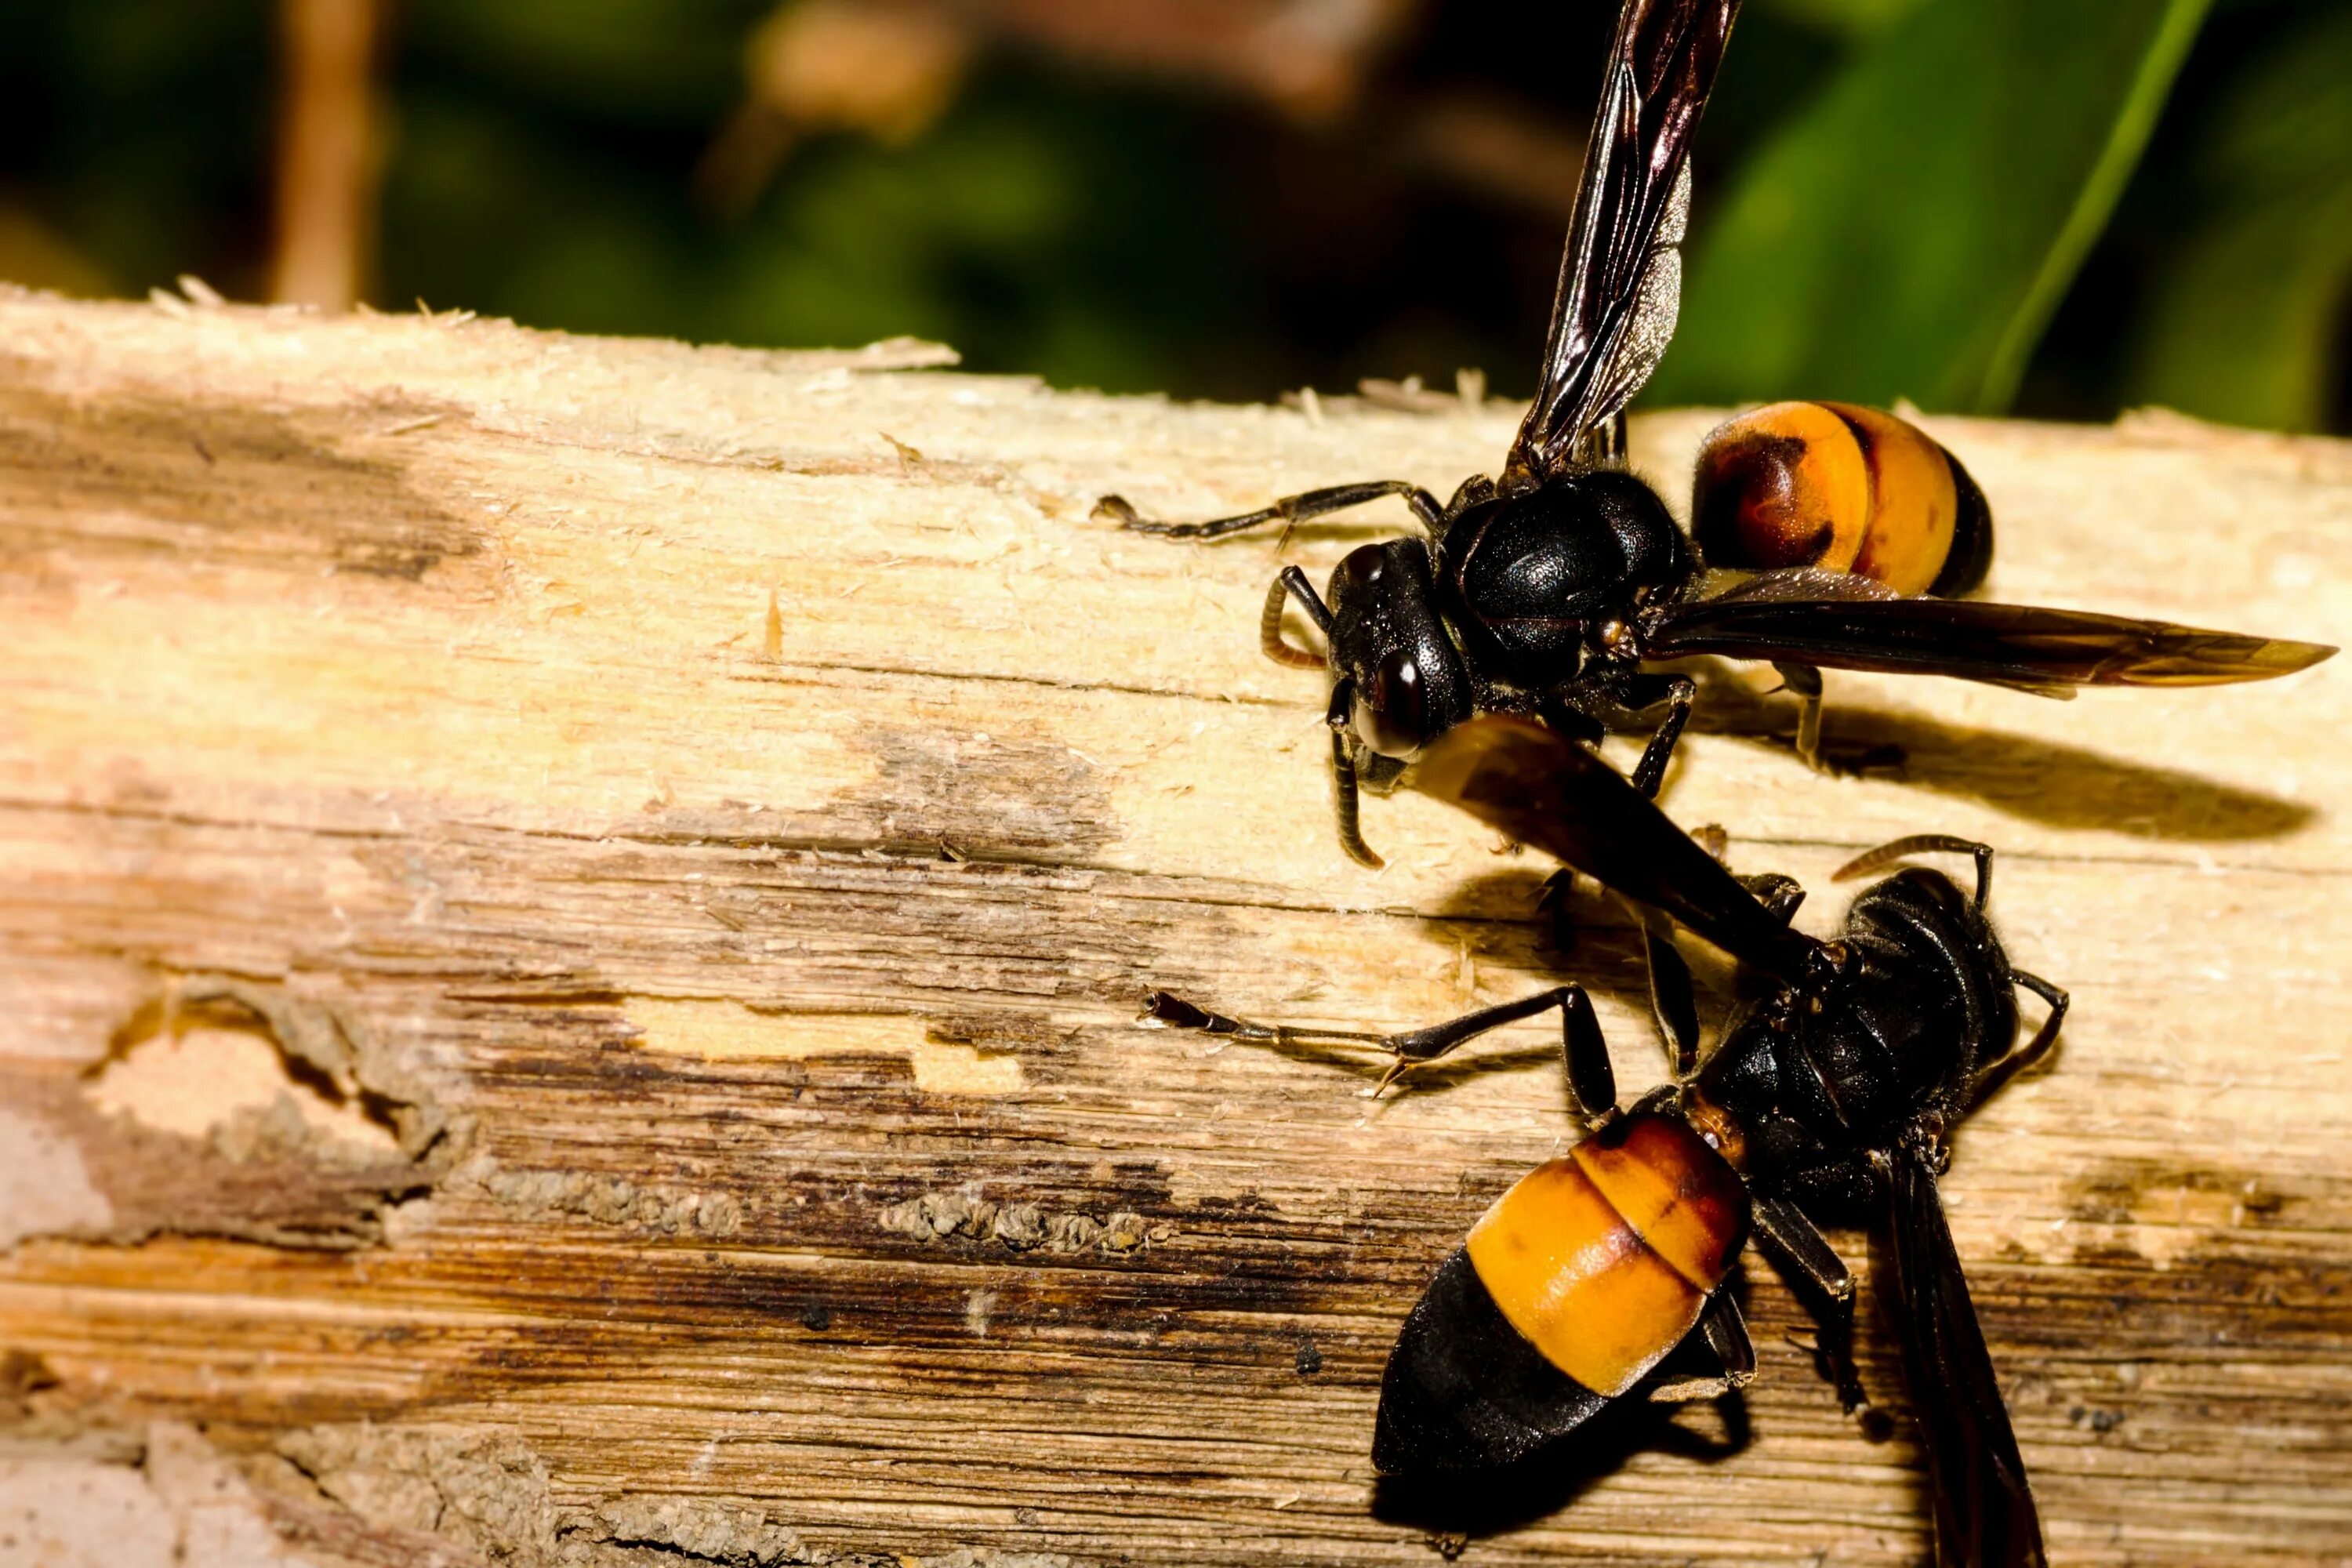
(1393,717)
(1364,566)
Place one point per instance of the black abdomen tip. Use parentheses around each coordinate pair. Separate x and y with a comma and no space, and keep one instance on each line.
(1467,1391)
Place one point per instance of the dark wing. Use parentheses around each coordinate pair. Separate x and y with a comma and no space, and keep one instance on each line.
(1620,276)
(1542,789)
(2007,644)
(1984,1509)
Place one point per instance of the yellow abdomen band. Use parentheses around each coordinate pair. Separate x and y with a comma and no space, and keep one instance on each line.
(1604,1259)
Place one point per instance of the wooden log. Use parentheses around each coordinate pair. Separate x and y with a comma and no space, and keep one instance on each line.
(571,913)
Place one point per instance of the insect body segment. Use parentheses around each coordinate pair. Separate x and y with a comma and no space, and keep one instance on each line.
(1838,487)
(1530,575)
(1546,590)
(1573,1286)
(1406,679)
(1603,1258)
(1832,1096)
(1829,1099)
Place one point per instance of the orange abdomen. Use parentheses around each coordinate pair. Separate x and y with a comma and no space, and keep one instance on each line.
(1840,489)
(1602,1261)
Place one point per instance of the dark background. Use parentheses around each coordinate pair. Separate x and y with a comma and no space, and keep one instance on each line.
(2059,207)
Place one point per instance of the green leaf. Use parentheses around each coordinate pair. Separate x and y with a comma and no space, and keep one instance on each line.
(1910,234)
(2242,319)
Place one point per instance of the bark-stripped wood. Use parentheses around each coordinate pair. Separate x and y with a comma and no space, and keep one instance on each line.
(570,914)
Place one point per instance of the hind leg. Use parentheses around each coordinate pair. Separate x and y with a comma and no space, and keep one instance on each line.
(1590,1077)
(1725,1332)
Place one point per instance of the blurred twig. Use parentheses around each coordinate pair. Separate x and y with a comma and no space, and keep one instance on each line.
(887,68)
(326,155)
(884,68)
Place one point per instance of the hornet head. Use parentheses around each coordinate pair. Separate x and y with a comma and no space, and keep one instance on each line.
(1389,644)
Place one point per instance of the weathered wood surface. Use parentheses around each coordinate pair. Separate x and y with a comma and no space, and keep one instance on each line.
(537,873)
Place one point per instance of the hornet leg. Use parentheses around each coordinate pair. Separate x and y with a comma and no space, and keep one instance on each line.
(1777,892)
(1725,1332)
(1678,690)
(1590,1078)
(1806,683)
(1559,893)
(1673,1001)
(1289,509)
(1618,705)
(1798,1244)
(1572,724)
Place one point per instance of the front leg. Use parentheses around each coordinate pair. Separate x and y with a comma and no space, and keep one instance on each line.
(1286,512)
(1614,697)
(1645,691)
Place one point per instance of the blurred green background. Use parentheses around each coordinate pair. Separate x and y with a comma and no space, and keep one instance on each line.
(2059,207)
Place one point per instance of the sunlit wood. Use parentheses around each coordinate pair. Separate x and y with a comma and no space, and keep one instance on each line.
(713,814)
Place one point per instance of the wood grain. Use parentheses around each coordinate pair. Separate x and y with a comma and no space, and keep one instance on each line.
(571,910)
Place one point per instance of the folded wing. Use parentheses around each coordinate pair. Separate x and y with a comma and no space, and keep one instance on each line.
(1539,788)
(1984,1509)
(2007,644)
(1620,276)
